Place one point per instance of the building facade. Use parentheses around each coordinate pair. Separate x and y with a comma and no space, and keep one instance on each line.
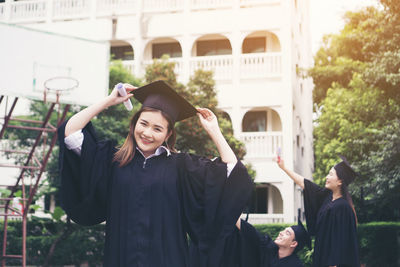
(257,50)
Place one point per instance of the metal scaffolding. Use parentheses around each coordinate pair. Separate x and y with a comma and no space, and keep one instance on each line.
(33,164)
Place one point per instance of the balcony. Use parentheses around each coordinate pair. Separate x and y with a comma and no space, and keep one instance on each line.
(251,66)
(222,66)
(255,218)
(261,144)
(52,10)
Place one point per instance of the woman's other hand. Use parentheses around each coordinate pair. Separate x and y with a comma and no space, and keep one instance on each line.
(208,120)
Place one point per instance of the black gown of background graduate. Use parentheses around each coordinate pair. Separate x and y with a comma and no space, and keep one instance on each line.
(150,206)
(334,226)
(243,248)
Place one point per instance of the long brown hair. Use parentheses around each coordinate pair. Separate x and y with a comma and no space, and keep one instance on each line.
(345,193)
(126,152)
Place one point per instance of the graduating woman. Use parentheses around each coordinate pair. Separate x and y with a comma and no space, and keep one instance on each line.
(330,216)
(151,197)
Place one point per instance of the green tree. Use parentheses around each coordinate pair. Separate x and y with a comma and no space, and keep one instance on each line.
(106,124)
(357,81)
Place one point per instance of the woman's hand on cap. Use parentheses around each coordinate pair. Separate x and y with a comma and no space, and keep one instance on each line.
(130,87)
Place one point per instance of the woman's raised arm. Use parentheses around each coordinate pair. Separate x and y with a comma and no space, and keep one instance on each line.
(210,123)
(80,119)
(297,178)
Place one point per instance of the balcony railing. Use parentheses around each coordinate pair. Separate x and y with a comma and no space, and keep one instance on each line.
(66,9)
(261,144)
(48,10)
(262,65)
(2,11)
(162,5)
(222,66)
(129,65)
(178,64)
(28,10)
(206,4)
(115,7)
(256,218)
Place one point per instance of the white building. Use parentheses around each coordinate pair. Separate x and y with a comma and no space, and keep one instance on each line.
(256,49)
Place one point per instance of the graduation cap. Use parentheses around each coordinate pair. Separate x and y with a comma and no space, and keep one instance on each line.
(160,95)
(344,171)
(301,235)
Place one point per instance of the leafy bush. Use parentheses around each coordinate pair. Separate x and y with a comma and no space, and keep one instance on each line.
(379,243)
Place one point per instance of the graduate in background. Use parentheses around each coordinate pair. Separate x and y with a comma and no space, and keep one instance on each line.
(281,252)
(330,216)
(246,247)
(150,196)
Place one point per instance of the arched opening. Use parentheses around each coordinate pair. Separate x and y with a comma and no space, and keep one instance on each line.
(255,121)
(276,200)
(163,46)
(266,199)
(121,50)
(261,120)
(226,116)
(261,42)
(212,45)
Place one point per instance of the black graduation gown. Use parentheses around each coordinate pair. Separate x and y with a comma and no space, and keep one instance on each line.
(262,247)
(150,206)
(334,226)
(244,248)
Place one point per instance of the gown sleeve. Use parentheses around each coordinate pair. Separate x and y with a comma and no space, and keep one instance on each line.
(212,203)
(84,178)
(256,249)
(314,197)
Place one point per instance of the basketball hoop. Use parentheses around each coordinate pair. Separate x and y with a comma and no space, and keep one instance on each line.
(59,85)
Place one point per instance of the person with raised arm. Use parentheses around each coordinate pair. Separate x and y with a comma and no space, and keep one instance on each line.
(330,216)
(151,197)
(247,247)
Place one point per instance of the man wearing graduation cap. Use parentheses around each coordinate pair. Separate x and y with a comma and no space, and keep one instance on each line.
(151,196)
(262,251)
(330,216)
(244,246)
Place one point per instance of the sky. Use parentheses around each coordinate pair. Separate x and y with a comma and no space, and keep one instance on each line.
(326,17)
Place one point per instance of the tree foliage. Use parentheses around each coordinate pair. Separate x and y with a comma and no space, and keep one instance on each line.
(357,83)
(113,123)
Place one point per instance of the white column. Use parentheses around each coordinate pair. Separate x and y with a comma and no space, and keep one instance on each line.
(49,13)
(270,200)
(138,41)
(186,44)
(7,10)
(138,51)
(93,9)
(236,47)
(186,55)
(237,117)
(287,108)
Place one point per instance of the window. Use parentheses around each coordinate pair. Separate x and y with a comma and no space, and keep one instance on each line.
(214,47)
(255,121)
(259,202)
(122,52)
(171,49)
(254,45)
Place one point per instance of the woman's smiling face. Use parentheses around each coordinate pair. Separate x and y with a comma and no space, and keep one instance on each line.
(332,180)
(151,131)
